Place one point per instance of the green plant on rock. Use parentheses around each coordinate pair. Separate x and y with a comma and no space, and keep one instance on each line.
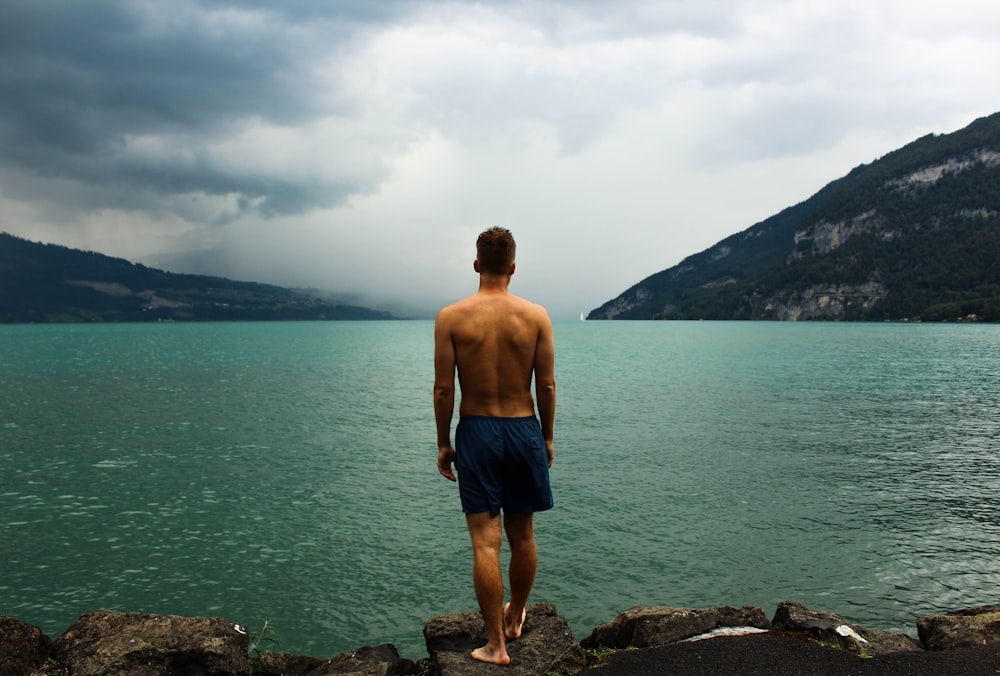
(258,655)
(597,657)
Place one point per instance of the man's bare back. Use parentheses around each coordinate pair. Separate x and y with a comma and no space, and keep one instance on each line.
(497,342)
(496,339)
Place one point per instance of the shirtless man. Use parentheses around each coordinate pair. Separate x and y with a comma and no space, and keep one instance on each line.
(502,452)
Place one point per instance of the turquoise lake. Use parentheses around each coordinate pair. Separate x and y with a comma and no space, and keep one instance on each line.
(285,472)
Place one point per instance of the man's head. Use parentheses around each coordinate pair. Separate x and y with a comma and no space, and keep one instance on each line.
(495,251)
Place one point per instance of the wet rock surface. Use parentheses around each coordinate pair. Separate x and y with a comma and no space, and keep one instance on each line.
(640,627)
(642,640)
(106,642)
(960,629)
(23,647)
(832,630)
(546,645)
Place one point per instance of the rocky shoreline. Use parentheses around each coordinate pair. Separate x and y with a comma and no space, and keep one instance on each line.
(108,642)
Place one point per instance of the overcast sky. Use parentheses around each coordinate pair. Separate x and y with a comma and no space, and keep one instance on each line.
(360,146)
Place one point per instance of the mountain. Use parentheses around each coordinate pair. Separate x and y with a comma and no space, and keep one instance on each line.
(913,235)
(51,283)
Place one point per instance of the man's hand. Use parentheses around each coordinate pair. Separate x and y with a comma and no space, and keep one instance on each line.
(446,456)
(550,450)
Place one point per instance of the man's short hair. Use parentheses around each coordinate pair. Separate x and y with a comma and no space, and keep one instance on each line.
(495,250)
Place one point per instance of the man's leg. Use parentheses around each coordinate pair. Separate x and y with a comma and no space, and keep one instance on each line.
(523,564)
(487,579)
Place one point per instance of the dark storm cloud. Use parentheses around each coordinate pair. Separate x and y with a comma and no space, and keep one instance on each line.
(78,79)
(83,82)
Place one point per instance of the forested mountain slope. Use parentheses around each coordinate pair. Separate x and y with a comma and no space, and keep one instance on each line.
(50,283)
(913,235)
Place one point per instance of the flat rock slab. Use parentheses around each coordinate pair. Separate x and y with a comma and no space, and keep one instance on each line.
(960,629)
(647,627)
(770,654)
(380,660)
(832,629)
(146,645)
(546,645)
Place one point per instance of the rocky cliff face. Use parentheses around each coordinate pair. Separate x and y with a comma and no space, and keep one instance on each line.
(821,301)
(824,237)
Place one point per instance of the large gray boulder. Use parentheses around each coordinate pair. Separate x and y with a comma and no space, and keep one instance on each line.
(23,647)
(831,629)
(961,628)
(106,642)
(648,627)
(546,645)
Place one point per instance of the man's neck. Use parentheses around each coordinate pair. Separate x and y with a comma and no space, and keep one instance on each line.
(493,283)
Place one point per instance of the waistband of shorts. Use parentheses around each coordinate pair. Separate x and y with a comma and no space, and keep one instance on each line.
(490,418)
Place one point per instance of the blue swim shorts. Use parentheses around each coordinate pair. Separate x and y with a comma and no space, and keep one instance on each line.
(502,464)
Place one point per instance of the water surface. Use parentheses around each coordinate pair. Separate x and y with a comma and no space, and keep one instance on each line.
(285,472)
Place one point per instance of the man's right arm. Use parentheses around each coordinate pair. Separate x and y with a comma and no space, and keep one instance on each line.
(545,383)
(444,394)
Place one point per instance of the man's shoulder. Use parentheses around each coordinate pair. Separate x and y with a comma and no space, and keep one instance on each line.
(520,301)
(455,308)
(532,307)
(453,315)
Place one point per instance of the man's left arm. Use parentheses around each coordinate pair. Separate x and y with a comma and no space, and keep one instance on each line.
(444,395)
(545,384)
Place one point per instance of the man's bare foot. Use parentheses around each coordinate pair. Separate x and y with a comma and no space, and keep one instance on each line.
(488,654)
(512,630)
